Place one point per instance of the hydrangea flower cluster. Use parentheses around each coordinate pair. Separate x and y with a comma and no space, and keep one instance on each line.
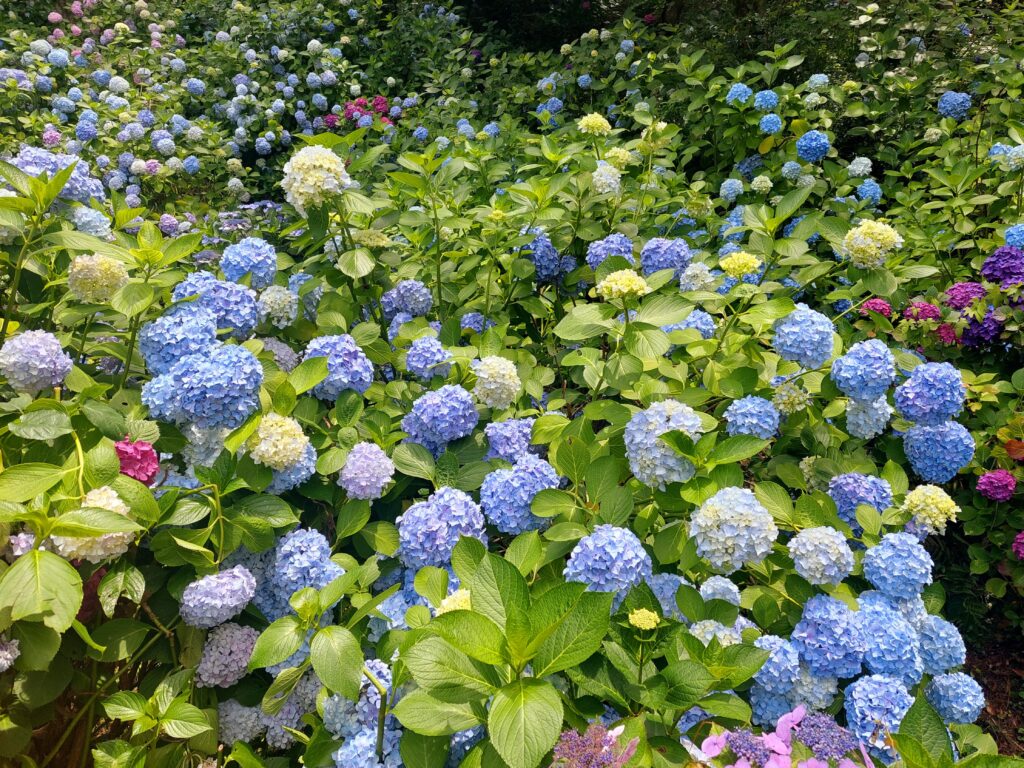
(804,336)
(875,706)
(732,528)
(176,334)
(440,416)
(610,559)
(367,471)
(254,257)
(348,367)
(615,244)
(427,358)
(313,177)
(651,460)
(852,489)
(429,530)
(938,453)
(226,653)
(497,382)
(821,555)
(96,278)
(278,442)
(752,415)
(409,296)
(97,549)
(506,494)
(622,284)
(33,361)
(509,439)
(866,371)
(898,566)
(930,508)
(934,393)
(829,638)
(869,244)
(661,253)
(214,599)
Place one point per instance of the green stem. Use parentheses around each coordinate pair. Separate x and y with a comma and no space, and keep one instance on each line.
(20,263)
(382,713)
(133,327)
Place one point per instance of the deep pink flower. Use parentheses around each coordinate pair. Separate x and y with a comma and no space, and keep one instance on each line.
(997,485)
(881,306)
(947,334)
(922,310)
(138,460)
(1018,546)
(330,121)
(380,104)
(649,19)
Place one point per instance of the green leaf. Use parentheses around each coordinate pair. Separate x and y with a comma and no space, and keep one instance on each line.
(495,587)
(337,660)
(419,751)
(308,374)
(576,636)
(586,321)
(23,482)
(525,721)
(40,586)
(432,584)
(277,642)
(133,298)
(551,502)
(448,673)
(412,459)
(182,720)
(125,705)
(736,448)
(526,551)
(38,644)
(123,578)
(925,725)
(572,458)
(475,635)
(418,711)
(41,425)
(92,521)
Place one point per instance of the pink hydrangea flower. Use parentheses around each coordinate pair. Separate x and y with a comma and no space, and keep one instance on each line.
(998,485)
(947,334)
(881,306)
(922,310)
(54,18)
(138,460)
(1018,546)
(713,746)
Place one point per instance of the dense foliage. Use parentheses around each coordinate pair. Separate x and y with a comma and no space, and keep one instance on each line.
(375,395)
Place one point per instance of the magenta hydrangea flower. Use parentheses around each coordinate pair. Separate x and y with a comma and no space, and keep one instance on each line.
(997,485)
(1018,546)
(881,306)
(922,310)
(962,295)
(138,460)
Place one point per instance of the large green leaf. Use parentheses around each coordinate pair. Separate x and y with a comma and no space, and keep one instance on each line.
(40,586)
(337,660)
(23,482)
(496,586)
(420,712)
(525,721)
(449,674)
(577,634)
(475,635)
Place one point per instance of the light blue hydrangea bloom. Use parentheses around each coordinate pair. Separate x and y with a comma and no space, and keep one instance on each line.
(651,460)
(898,566)
(866,371)
(506,494)
(752,415)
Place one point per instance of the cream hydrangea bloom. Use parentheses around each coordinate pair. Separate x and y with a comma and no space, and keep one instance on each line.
(456,601)
(497,382)
(869,243)
(96,549)
(96,278)
(594,124)
(278,442)
(313,176)
(625,283)
(739,264)
(930,508)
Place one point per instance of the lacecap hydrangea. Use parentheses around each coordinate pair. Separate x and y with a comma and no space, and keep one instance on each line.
(804,336)
(898,566)
(937,453)
(506,494)
(866,371)
(933,393)
(752,415)
(651,460)
(429,530)
(439,417)
(348,367)
(732,528)
(611,559)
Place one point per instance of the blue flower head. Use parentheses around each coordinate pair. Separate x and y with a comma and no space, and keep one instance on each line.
(214,599)
(181,331)
(663,253)
(429,530)
(347,366)
(955,104)
(738,94)
(410,296)
(611,559)
(957,697)
(770,124)
(427,358)
(875,706)
(752,415)
(253,256)
(441,416)
(898,566)
(937,453)
(941,646)
(934,393)
(829,639)
(804,336)
(615,244)
(509,439)
(542,253)
(866,371)
(766,101)
(731,529)
(506,494)
(892,649)
(812,146)
(869,191)
(651,460)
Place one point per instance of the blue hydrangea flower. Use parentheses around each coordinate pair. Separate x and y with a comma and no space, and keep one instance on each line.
(732,528)
(441,416)
(664,253)
(752,415)
(1014,235)
(875,706)
(766,100)
(731,189)
(804,336)
(476,322)
(892,649)
(195,86)
(791,170)
(509,439)
(239,723)
(80,187)
(234,306)
(302,559)
(611,559)
(253,256)
(898,566)
(867,419)
(427,358)
(767,707)
(181,331)
(866,371)
(615,244)
(821,555)
(869,191)
(812,146)
(817,83)
(829,639)
(738,94)
(957,697)
(33,361)
(295,475)
(506,494)
(360,749)
(941,646)
(937,453)
(410,296)
(347,365)
(542,253)
(770,124)
(214,599)
(954,104)
(697,319)
(367,471)
(651,460)
(429,530)
(780,670)
(934,393)
(720,588)
(344,718)
(665,586)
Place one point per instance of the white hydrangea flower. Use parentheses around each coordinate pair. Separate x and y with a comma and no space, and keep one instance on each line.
(97,549)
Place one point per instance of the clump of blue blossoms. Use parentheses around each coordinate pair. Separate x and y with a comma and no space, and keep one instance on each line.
(731,189)
(506,494)
(441,416)
(214,599)
(892,649)
(651,460)
(770,124)
(252,256)
(226,653)
(852,489)
(898,566)
(934,393)
(866,371)
(821,555)
(33,361)
(509,439)
(178,333)
(427,358)
(233,305)
(611,559)
(752,415)
(720,588)
(955,105)
(731,529)
(738,94)
(804,336)
(665,586)
(957,697)
(940,644)
(542,252)
(698,319)
(812,146)
(344,718)
(937,453)
(866,420)
(875,706)
(766,101)
(829,639)
(869,191)
(347,365)
(302,559)
(429,530)
(781,668)
(664,253)
(367,471)
(295,475)
(410,296)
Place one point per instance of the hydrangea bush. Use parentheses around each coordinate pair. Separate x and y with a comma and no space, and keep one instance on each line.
(594,407)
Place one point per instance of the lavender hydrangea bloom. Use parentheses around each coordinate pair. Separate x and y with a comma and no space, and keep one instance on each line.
(898,566)
(665,253)
(1005,266)
(441,416)
(506,494)
(239,723)
(429,530)
(825,737)
(852,489)
(804,336)
(302,559)
(665,586)
(80,186)
(615,244)
(937,453)
(962,295)
(866,371)
(214,599)
(934,393)
(226,655)
(344,718)
(367,472)
(179,332)
(33,361)
(301,702)
(510,439)
(348,367)
(752,415)
(428,358)
(252,256)
(611,559)
(410,296)
(829,638)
